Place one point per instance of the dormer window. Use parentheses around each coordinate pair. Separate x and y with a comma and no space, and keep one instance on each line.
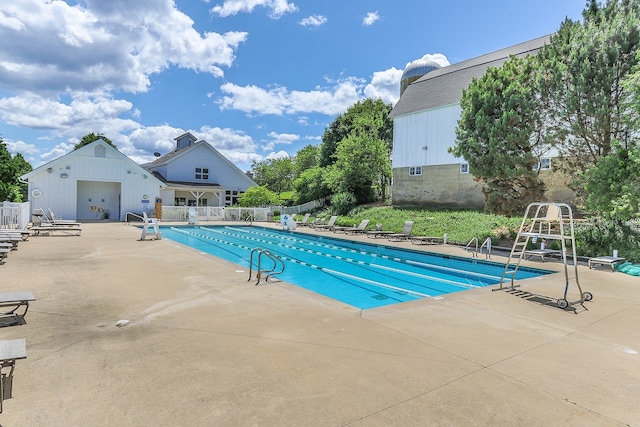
(202,174)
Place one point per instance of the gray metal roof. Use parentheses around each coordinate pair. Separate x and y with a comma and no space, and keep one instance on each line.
(444,86)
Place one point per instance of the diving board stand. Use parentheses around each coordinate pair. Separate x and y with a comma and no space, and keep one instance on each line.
(10,351)
(150,223)
(15,306)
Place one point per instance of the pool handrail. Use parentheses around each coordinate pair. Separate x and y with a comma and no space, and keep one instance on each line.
(269,272)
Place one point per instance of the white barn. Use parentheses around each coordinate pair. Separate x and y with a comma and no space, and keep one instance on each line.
(424,123)
(94,182)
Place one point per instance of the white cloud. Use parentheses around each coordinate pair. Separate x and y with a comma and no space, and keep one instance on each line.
(313,21)
(279,138)
(277,8)
(438,58)
(279,100)
(278,155)
(52,47)
(371,18)
(385,85)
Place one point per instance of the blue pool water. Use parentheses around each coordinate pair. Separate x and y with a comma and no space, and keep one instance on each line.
(359,274)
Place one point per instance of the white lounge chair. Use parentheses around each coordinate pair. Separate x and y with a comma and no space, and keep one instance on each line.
(14,305)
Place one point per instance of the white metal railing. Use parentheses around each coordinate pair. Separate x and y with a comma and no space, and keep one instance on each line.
(14,215)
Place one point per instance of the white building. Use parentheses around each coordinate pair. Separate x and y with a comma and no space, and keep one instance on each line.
(93,182)
(196,174)
(424,124)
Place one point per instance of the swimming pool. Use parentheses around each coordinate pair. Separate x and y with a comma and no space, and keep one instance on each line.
(363,275)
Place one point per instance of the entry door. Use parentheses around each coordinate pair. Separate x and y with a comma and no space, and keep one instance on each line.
(98,200)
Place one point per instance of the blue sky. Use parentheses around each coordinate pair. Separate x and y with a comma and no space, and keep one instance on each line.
(255,78)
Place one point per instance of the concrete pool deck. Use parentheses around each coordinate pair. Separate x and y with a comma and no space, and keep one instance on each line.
(204,347)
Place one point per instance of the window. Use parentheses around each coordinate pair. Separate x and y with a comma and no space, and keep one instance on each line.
(464,167)
(231,197)
(202,173)
(202,202)
(545,164)
(180,201)
(415,170)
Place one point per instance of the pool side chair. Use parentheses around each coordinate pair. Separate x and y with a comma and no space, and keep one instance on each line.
(360,228)
(53,220)
(305,221)
(328,226)
(377,232)
(404,235)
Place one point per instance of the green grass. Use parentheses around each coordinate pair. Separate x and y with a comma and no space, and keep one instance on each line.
(460,226)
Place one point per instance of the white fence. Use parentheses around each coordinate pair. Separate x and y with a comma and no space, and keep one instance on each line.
(309,206)
(210,213)
(14,215)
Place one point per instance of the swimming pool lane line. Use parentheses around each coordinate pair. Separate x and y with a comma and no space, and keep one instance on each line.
(436,267)
(323,269)
(360,263)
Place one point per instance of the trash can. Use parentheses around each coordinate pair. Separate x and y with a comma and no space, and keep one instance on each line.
(270,217)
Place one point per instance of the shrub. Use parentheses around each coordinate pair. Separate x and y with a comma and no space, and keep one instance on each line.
(342,203)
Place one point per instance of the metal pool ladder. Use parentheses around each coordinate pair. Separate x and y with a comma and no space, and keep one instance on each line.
(276,268)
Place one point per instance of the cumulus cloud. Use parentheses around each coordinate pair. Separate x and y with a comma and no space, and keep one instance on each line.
(371,18)
(279,100)
(53,47)
(278,155)
(279,138)
(313,21)
(276,8)
(385,85)
(438,58)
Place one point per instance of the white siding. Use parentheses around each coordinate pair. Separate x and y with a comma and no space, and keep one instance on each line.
(115,178)
(220,171)
(433,129)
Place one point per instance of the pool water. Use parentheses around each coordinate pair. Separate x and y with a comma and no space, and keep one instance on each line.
(360,274)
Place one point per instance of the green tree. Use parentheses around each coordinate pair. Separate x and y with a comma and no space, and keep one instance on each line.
(258,196)
(343,125)
(613,184)
(11,168)
(310,185)
(275,174)
(306,158)
(500,134)
(583,68)
(362,167)
(91,137)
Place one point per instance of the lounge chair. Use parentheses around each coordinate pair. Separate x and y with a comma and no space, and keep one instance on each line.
(22,233)
(305,221)
(10,351)
(352,230)
(426,240)
(378,232)
(328,226)
(11,303)
(48,228)
(404,235)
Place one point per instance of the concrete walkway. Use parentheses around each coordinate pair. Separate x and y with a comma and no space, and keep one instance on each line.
(206,348)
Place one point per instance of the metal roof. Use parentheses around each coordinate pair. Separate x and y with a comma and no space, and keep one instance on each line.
(444,86)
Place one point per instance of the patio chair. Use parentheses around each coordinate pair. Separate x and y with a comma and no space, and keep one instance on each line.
(352,230)
(378,232)
(305,221)
(328,226)
(14,306)
(404,235)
